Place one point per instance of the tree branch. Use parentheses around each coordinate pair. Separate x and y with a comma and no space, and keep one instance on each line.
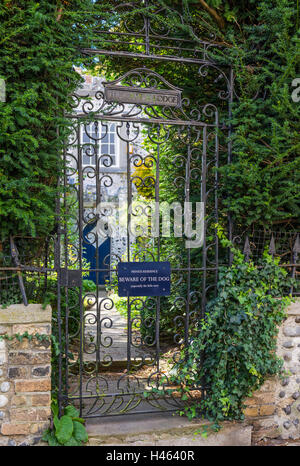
(59,14)
(218,19)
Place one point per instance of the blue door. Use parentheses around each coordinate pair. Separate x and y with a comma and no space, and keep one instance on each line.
(89,253)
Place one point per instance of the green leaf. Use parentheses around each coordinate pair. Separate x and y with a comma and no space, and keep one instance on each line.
(49,437)
(71,411)
(53,440)
(64,429)
(56,421)
(54,407)
(72,442)
(79,419)
(46,435)
(80,432)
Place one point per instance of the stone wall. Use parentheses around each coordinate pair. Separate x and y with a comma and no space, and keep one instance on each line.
(25,374)
(25,380)
(274,410)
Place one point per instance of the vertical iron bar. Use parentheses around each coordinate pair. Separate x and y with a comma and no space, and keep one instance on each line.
(129,199)
(229,159)
(46,265)
(204,255)
(15,256)
(296,250)
(157,320)
(147,31)
(216,199)
(203,199)
(67,275)
(57,264)
(187,200)
(80,239)
(98,219)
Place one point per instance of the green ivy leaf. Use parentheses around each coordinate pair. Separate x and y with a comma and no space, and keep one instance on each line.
(53,440)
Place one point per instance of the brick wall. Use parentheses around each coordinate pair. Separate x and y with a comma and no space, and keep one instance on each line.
(25,374)
(274,410)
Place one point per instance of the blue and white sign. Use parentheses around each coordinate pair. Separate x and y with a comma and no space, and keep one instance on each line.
(144,279)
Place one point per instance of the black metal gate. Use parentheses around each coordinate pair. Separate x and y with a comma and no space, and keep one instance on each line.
(137,142)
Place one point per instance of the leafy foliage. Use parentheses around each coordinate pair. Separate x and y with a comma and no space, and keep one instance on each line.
(68,430)
(237,339)
(40,44)
(262,183)
(260,41)
(39,47)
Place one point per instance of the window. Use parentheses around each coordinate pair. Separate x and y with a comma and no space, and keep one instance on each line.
(106,144)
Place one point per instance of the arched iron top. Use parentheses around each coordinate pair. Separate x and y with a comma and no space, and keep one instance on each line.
(142,77)
(142,95)
(142,29)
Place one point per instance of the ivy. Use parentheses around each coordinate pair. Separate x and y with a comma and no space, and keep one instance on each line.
(20,337)
(236,338)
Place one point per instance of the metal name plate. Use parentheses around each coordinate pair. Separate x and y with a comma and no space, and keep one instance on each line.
(144,278)
(135,95)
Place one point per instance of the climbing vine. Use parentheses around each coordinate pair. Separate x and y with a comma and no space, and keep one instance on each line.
(20,337)
(236,338)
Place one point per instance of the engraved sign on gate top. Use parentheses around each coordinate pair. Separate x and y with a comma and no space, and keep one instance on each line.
(142,96)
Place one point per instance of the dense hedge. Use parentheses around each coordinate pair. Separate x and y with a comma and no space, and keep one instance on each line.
(261,42)
(263,182)
(39,46)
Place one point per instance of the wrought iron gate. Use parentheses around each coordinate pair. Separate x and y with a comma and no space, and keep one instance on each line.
(137,141)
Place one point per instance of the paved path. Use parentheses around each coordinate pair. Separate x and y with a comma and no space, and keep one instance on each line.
(164,429)
(113,328)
